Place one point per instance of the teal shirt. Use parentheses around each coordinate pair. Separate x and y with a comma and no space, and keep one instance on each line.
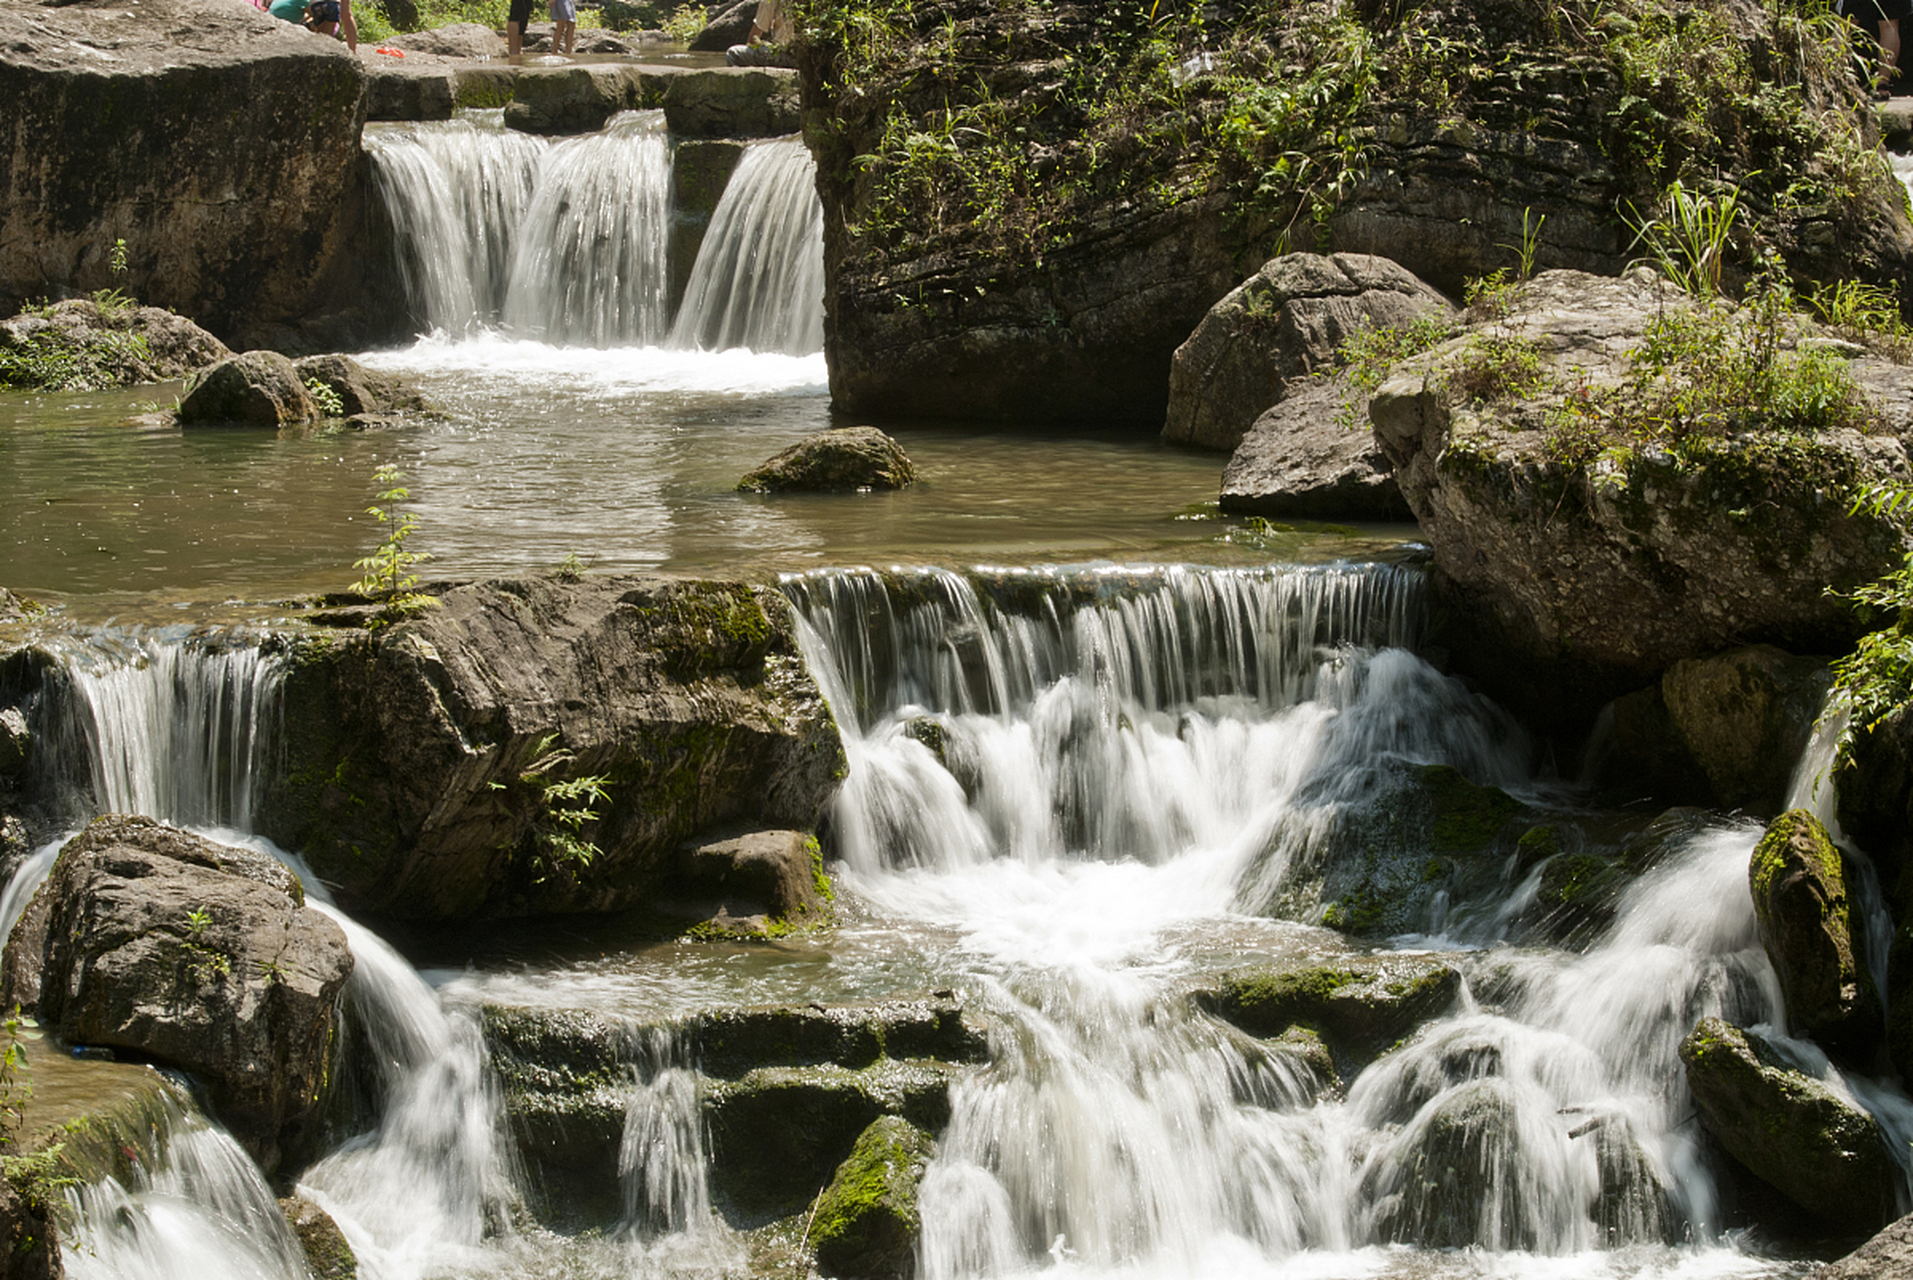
(290,10)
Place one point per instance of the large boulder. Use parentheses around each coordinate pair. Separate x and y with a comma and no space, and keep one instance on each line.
(1806,919)
(1308,458)
(842,459)
(158,943)
(90,346)
(535,745)
(866,1222)
(1449,1180)
(573,99)
(221,144)
(732,102)
(257,389)
(362,392)
(453,40)
(1568,583)
(1281,324)
(756,883)
(1813,1145)
(1359,1005)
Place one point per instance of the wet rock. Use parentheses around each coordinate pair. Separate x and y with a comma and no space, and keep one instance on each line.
(1308,459)
(566,1076)
(574,99)
(438,768)
(1806,925)
(700,170)
(257,389)
(1281,325)
(486,86)
(732,1042)
(1887,1256)
(1450,1181)
(1359,1005)
(1813,1145)
(765,883)
(327,1251)
(779,1133)
(29,1236)
(866,1222)
(1566,586)
(154,942)
(732,102)
(454,40)
(842,459)
(16,741)
(85,346)
(1577,894)
(414,88)
(363,391)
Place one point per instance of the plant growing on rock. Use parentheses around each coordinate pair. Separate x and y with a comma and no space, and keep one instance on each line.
(387,574)
(558,809)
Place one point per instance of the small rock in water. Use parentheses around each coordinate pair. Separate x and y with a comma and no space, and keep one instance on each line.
(843,459)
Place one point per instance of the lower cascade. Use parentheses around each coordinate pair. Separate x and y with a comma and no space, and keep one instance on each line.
(1116,815)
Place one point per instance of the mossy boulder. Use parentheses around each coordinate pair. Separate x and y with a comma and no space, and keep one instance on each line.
(1810,1143)
(1359,1005)
(257,389)
(840,460)
(428,761)
(734,1042)
(866,1222)
(566,1076)
(1578,893)
(79,345)
(754,884)
(328,1253)
(1806,918)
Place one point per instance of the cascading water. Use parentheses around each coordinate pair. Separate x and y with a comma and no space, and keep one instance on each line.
(758,281)
(566,243)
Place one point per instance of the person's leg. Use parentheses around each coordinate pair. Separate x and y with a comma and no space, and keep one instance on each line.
(1890,52)
(515,19)
(566,35)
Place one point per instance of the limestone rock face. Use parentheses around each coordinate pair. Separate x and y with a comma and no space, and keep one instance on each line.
(114,346)
(1282,323)
(257,389)
(839,460)
(686,699)
(1806,925)
(1309,458)
(220,143)
(418,87)
(150,940)
(1815,1147)
(1568,586)
(866,1222)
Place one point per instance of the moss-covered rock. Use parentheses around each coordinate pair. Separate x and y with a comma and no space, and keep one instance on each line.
(1799,884)
(1359,1005)
(758,884)
(734,1042)
(866,1222)
(1745,716)
(328,1253)
(1577,894)
(1813,1145)
(842,459)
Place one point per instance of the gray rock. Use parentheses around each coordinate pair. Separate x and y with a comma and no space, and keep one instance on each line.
(257,389)
(1312,458)
(1809,1143)
(1887,1256)
(729,24)
(1454,1187)
(150,940)
(574,99)
(1745,716)
(1805,912)
(362,391)
(1567,586)
(220,143)
(866,1222)
(1359,1005)
(486,85)
(396,737)
(418,87)
(839,460)
(454,40)
(1282,324)
(732,102)
(759,882)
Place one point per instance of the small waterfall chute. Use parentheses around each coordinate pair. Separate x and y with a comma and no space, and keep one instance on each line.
(758,281)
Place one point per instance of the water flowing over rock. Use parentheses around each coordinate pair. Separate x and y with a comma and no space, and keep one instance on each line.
(1567,586)
(327,1250)
(1360,1006)
(257,389)
(437,768)
(221,144)
(1807,923)
(1812,1144)
(151,941)
(1277,327)
(835,461)
(866,1222)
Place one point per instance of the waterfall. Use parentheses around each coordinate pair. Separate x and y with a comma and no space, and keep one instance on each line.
(758,281)
(567,242)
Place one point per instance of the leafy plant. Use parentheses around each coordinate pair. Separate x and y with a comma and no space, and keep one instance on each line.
(560,808)
(1876,678)
(570,569)
(685,22)
(112,302)
(387,574)
(1866,313)
(1689,238)
(330,403)
(198,920)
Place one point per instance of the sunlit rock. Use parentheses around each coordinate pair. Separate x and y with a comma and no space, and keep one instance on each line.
(1360,1005)
(90,347)
(257,389)
(1799,883)
(866,1222)
(842,459)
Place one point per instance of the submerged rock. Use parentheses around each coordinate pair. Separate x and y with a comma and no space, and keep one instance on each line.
(157,943)
(536,746)
(1279,326)
(257,389)
(1799,884)
(866,1222)
(1360,1005)
(839,460)
(1813,1145)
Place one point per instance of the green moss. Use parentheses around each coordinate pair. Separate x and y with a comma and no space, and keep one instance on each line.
(1467,816)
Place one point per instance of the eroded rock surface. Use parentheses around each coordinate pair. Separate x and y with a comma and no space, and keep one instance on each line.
(1311,458)
(160,944)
